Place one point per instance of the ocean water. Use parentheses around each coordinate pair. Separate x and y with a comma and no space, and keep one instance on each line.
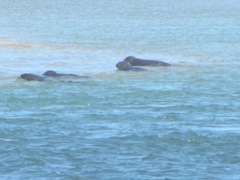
(179,122)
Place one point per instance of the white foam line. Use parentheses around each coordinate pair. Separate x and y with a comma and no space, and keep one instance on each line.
(8,140)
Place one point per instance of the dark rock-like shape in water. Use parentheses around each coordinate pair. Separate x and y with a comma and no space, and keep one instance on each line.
(145,62)
(125,66)
(31,77)
(54,74)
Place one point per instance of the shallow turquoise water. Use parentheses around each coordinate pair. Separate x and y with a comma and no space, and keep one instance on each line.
(180,122)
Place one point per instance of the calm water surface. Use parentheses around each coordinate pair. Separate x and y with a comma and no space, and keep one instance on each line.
(180,122)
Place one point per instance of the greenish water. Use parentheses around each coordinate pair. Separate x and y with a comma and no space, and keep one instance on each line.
(180,122)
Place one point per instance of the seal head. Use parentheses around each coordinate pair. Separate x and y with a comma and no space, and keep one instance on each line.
(50,73)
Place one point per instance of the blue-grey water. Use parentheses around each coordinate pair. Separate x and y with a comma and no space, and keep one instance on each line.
(179,122)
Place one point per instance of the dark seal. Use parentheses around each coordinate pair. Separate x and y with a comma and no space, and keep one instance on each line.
(31,77)
(54,74)
(126,66)
(144,62)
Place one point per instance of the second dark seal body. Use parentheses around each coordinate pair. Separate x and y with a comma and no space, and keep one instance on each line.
(51,73)
(125,66)
(144,62)
(31,77)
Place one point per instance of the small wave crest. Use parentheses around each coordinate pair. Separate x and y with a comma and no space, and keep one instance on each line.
(13,44)
(18,45)
(7,140)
